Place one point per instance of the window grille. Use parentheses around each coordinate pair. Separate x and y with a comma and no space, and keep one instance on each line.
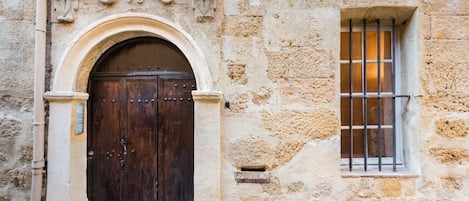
(369,111)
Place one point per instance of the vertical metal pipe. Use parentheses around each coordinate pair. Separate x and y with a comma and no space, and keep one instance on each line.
(393,35)
(378,39)
(364,110)
(350,73)
(38,114)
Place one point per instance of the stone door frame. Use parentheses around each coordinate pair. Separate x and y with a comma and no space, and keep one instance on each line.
(66,157)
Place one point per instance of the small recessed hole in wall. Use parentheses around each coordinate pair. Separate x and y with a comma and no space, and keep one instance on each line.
(258,168)
(252,174)
(227,104)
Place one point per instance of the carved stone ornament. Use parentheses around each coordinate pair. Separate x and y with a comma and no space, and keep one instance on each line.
(138,1)
(66,10)
(107,2)
(204,10)
(110,2)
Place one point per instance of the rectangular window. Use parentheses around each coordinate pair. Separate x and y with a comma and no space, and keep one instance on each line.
(371,137)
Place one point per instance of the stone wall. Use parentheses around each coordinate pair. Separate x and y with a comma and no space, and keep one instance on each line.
(16,97)
(444,141)
(280,74)
(277,65)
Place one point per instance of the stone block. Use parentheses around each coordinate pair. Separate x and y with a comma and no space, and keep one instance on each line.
(252,198)
(261,96)
(450,156)
(252,151)
(451,128)
(243,26)
(237,73)
(371,3)
(300,62)
(301,4)
(308,91)
(285,151)
(17,10)
(450,27)
(287,124)
(442,51)
(16,178)
(240,50)
(452,183)
(426,26)
(446,102)
(26,154)
(20,102)
(388,187)
(300,28)
(16,62)
(3,157)
(295,187)
(359,189)
(10,128)
(252,7)
(273,187)
(448,77)
(408,187)
(238,103)
(16,78)
(444,7)
(230,7)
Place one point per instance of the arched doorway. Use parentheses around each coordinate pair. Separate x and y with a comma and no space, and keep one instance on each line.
(67,150)
(140,131)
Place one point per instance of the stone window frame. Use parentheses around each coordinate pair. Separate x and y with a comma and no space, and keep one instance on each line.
(409,38)
(387,162)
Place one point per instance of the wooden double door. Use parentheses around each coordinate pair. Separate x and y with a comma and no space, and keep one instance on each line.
(140,141)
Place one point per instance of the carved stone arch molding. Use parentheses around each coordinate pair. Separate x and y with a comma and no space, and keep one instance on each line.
(66,171)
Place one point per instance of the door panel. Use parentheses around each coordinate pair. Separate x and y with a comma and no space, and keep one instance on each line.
(104,170)
(176,148)
(141,133)
(141,163)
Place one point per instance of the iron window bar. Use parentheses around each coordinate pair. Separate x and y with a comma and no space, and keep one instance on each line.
(393,71)
(350,97)
(364,95)
(373,95)
(355,61)
(370,126)
(378,34)
(365,100)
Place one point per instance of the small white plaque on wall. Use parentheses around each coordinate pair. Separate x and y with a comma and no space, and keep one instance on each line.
(80,119)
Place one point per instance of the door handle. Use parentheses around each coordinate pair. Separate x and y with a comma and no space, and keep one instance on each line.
(124,146)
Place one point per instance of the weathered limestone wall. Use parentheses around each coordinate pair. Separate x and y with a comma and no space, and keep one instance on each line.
(277,65)
(279,75)
(16,97)
(279,72)
(445,122)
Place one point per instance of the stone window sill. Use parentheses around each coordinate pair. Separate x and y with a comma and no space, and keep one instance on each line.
(373,172)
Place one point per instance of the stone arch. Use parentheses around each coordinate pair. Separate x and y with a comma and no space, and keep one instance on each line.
(79,58)
(66,178)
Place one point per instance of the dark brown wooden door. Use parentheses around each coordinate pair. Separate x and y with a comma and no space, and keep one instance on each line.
(140,144)
(140,129)
(140,140)
(104,150)
(176,120)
